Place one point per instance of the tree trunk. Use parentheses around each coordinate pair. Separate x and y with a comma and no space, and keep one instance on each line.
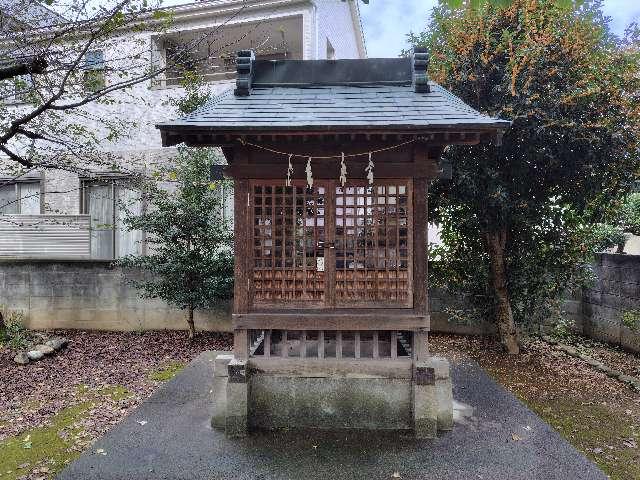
(496,242)
(192,328)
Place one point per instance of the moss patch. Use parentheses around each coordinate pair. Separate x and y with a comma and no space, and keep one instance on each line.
(114,392)
(166,372)
(50,447)
(604,436)
(52,444)
(603,433)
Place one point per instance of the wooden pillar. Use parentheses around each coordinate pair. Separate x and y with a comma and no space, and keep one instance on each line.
(420,259)
(242,283)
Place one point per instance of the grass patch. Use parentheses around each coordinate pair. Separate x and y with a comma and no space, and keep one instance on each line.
(166,372)
(20,454)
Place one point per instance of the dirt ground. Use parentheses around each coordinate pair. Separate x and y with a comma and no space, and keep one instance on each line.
(598,415)
(52,410)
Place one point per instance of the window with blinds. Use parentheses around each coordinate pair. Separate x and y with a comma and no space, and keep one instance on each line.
(106,201)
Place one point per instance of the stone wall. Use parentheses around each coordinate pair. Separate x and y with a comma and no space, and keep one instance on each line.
(615,291)
(90,295)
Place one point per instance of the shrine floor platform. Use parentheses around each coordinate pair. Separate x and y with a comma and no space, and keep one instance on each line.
(496,437)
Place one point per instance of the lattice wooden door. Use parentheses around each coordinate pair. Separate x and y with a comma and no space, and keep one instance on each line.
(288,245)
(373,239)
(331,246)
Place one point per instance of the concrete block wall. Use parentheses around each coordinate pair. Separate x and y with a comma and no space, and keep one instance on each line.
(90,295)
(615,291)
(93,295)
(442,303)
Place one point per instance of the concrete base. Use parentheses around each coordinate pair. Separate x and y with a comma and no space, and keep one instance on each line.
(421,402)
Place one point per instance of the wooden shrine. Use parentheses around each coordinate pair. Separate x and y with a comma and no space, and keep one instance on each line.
(331,162)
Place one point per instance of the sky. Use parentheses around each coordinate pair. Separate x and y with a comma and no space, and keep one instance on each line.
(386,22)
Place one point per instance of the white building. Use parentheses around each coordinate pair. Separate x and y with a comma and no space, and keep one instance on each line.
(45,214)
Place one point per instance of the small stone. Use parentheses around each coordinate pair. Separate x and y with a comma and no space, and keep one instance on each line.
(45,349)
(57,343)
(591,361)
(602,368)
(35,355)
(627,379)
(21,358)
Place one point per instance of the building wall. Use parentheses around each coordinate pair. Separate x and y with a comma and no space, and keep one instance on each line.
(335,23)
(146,104)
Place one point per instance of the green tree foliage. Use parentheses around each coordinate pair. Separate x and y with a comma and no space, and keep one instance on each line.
(516,217)
(626,220)
(190,261)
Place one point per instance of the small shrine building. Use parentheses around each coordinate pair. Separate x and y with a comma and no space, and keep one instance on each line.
(331,162)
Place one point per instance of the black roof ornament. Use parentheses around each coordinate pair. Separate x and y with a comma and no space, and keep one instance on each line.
(244,68)
(420,66)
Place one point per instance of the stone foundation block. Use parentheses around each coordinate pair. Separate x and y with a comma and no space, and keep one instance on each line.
(444,392)
(220,380)
(425,401)
(237,401)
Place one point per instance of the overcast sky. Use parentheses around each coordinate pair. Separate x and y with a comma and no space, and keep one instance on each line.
(386,22)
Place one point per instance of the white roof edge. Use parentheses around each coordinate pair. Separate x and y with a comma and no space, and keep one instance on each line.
(224,5)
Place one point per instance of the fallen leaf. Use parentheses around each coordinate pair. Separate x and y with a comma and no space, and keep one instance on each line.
(515,437)
(101,451)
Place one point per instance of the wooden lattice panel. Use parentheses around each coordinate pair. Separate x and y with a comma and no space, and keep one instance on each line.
(373,241)
(331,344)
(288,244)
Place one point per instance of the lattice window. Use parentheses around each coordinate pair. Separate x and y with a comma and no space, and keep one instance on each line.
(373,244)
(288,244)
(332,344)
